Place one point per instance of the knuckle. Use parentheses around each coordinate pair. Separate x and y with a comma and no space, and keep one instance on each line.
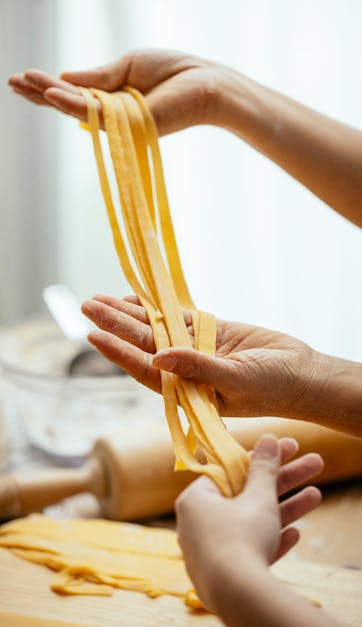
(133,53)
(190,371)
(264,465)
(116,322)
(105,78)
(143,370)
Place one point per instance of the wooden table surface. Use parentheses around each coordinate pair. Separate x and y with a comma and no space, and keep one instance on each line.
(331,534)
(326,565)
(24,590)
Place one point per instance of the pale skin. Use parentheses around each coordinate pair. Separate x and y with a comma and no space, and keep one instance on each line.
(255,372)
(228,545)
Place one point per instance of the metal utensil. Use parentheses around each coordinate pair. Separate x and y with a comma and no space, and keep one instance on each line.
(65,310)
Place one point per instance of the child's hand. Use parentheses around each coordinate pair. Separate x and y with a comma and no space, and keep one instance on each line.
(218,535)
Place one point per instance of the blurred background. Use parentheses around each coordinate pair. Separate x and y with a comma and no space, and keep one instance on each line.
(255,244)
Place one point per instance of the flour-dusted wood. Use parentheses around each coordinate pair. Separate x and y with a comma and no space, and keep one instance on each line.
(24,589)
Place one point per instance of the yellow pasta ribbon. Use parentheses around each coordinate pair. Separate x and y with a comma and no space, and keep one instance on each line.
(155,274)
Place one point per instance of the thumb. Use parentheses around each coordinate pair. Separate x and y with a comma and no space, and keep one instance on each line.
(107,77)
(192,364)
(264,466)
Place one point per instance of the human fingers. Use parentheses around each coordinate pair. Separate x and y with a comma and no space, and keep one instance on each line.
(19,81)
(107,77)
(299,471)
(30,95)
(160,76)
(289,477)
(120,324)
(288,448)
(192,364)
(41,88)
(204,485)
(288,538)
(132,298)
(143,69)
(17,78)
(299,504)
(71,104)
(264,467)
(133,360)
(42,81)
(131,308)
(22,87)
(60,94)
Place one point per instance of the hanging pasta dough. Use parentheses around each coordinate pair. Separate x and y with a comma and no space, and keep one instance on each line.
(154,273)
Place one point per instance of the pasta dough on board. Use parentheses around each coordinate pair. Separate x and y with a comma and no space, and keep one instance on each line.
(93,557)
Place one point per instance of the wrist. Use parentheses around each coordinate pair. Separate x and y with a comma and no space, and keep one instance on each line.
(229,102)
(333,394)
(229,573)
(235,588)
(241,106)
(255,598)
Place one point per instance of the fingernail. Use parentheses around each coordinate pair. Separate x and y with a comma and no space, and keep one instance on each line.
(165,361)
(267,446)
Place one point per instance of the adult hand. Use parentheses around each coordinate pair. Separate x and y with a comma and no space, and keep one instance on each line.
(220,536)
(180,89)
(256,372)
(183,90)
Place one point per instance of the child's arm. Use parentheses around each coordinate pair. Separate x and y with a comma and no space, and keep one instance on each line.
(229,543)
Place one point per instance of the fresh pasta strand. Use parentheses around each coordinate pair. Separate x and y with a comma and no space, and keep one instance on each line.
(161,288)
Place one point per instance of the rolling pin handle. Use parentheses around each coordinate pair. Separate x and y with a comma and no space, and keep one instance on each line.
(9,497)
(22,493)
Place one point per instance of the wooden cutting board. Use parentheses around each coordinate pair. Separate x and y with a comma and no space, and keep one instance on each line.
(24,591)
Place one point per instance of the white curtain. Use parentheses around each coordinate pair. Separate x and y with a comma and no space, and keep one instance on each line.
(256,245)
(28,163)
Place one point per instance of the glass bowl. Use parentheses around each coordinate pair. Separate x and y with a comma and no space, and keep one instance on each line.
(63,415)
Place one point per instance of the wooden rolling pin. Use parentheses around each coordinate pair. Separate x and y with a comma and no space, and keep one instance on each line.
(137,481)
